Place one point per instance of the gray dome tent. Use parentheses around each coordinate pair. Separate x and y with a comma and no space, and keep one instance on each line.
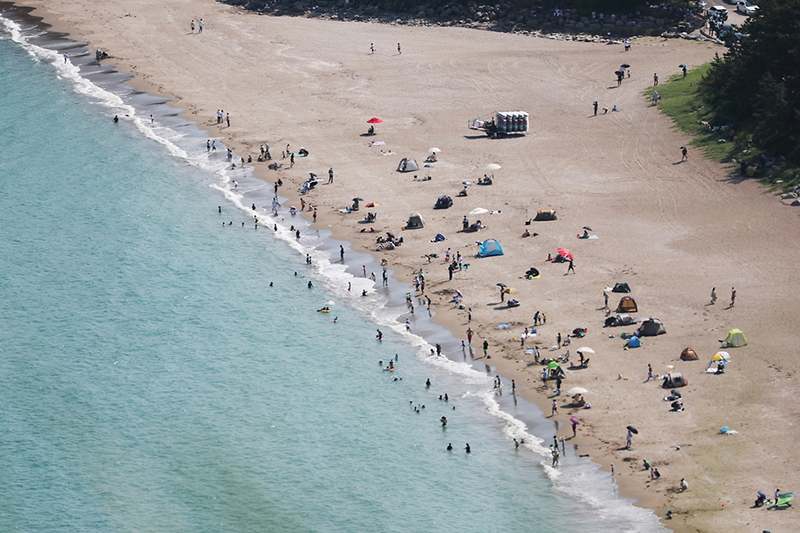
(651,328)
(407,165)
(415,221)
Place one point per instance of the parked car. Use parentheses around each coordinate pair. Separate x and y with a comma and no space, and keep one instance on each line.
(746,8)
(718,12)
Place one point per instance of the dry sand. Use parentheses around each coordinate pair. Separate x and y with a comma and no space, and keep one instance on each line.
(671,230)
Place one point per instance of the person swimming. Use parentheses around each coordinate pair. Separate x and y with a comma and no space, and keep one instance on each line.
(450,447)
(443,420)
(467,448)
(310,285)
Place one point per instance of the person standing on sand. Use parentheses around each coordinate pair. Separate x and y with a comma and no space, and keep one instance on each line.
(555,408)
(502,294)
(605,298)
(655,80)
(200,26)
(469,335)
(595,107)
(574,429)
(228,119)
(628,440)
(558,339)
(733,296)
(398,49)
(469,315)
(192,25)
(486,350)
(684,154)
(330,175)
(713,296)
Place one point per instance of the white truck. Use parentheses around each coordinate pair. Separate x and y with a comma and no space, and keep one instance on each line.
(502,124)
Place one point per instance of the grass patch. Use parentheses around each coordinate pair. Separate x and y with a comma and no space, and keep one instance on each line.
(681,100)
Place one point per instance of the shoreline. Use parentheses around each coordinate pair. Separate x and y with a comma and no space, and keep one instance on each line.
(453,321)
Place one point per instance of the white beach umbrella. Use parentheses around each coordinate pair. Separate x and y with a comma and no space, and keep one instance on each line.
(577,390)
(435,150)
(585,349)
(493,166)
(478,211)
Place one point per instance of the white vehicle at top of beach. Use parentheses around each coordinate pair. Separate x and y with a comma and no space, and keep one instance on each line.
(746,8)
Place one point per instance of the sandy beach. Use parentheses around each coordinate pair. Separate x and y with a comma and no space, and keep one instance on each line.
(672,230)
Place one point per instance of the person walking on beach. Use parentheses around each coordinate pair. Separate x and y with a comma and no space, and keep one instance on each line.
(595,107)
(605,298)
(330,175)
(228,119)
(574,428)
(192,25)
(469,335)
(469,315)
(650,373)
(398,49)
(655,80)
(733,296)
(200,26)
(713,295)
(486,350)
(502,294)
(555,408)
(571,267)
(684,154)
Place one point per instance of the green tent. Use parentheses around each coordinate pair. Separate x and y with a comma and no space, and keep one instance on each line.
(551,365)
(735,338)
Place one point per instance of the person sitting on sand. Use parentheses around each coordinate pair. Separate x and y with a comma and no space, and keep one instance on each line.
(526,234)
(585,234)
(549,258)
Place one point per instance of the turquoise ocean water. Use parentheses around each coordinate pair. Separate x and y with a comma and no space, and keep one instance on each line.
(151,379)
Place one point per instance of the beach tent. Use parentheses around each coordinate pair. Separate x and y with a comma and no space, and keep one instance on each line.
(619,320)
(490,247)
(634,342)
(415,221)
(674,380)
(735,338)
(621,287)
(627,305)
(651,328)
(689,355)
(407,165)
(444,202)
(554,370)
(546,214)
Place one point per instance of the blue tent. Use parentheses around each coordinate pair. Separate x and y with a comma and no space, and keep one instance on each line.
(634,342)
(489,248)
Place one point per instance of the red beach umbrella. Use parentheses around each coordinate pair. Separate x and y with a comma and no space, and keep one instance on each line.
(566,254)
(374,120)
